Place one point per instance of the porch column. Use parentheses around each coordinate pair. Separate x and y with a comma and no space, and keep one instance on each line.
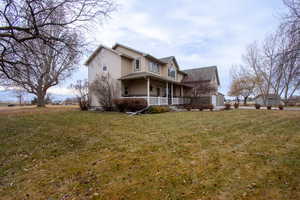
(172,93)
(167,89)
(148,91)
(182,91)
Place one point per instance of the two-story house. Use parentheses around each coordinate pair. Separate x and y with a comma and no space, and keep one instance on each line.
(140,75)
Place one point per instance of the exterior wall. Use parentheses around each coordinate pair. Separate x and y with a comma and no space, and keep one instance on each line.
(161,67)
(180,77)
(134,55)
(113,63)
(137,87)
(127,66)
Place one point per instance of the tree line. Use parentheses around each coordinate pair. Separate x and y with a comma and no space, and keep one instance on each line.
(273,65)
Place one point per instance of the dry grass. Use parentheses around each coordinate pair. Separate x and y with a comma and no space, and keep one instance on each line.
(248,154)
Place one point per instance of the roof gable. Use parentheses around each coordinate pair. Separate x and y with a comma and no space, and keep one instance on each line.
(202,74)
(97,51)
(128,48)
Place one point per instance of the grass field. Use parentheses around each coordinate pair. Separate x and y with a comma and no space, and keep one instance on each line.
(239,154)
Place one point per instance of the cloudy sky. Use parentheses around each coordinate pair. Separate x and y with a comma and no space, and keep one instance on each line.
(197,32)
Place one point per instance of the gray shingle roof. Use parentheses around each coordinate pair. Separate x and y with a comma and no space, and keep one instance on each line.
(201,74)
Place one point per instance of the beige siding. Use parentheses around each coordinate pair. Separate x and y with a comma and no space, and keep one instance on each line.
(95,69)
(134,55)
(136,87)
(127,66)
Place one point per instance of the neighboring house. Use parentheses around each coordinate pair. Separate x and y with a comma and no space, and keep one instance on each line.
(140,75)
(207,78)
(271,99)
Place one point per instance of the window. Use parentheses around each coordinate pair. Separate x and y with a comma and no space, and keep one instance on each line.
(104,68)
(151,88)
(154,67)
(137,64)
(172,72)
(126,90)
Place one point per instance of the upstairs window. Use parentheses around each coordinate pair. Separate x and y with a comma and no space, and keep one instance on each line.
(137,65)
(154,67)
(104,68)
(172,72)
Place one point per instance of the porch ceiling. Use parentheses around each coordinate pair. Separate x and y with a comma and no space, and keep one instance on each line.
(139,75)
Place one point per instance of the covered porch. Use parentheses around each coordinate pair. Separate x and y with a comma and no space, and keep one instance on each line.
(154,89)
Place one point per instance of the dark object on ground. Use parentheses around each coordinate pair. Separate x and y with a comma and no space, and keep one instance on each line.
(236,105)
(11,105)
(257,106)
(280,107)
(269,107)
(227,106)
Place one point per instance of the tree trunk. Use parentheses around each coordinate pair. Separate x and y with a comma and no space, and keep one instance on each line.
(41,99)
(245,100)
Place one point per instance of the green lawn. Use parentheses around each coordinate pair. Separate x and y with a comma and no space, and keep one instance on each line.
(246,154)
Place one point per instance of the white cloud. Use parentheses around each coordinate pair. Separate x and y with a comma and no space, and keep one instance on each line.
(197,33)
(61,91)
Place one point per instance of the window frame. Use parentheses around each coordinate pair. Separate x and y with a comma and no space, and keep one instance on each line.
(104,66)
(154,67)
(169,71)
(135,69)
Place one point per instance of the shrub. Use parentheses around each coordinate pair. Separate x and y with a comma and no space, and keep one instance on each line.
(130,104)
(236,105)
(227,106)
(280,107)
(269,107)
(257,106)
(188,107)
(158,109)
(291,104)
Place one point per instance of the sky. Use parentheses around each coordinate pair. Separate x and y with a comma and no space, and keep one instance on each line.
(198,33)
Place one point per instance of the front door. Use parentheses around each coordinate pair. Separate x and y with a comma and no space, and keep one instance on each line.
(158,91)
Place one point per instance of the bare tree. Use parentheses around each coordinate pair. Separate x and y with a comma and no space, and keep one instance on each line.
(105,90)
(20,93)
(243,86)
(26,20)
(81,88)
(40,41)
(45,66)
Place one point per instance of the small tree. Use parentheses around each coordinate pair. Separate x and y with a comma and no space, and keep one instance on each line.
(81,88)
(105,90)
(20,93)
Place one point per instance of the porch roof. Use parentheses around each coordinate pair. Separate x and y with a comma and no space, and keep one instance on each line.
(138,75)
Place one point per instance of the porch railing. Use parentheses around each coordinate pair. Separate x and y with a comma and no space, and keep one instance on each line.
(160,101)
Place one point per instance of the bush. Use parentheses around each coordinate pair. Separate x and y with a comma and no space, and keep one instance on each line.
(257,106)
(236,105)
(280,107)
(188,107)
(269,107)
(199,106)
(227,106)
(291,104)
(132,105)
(158,109)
